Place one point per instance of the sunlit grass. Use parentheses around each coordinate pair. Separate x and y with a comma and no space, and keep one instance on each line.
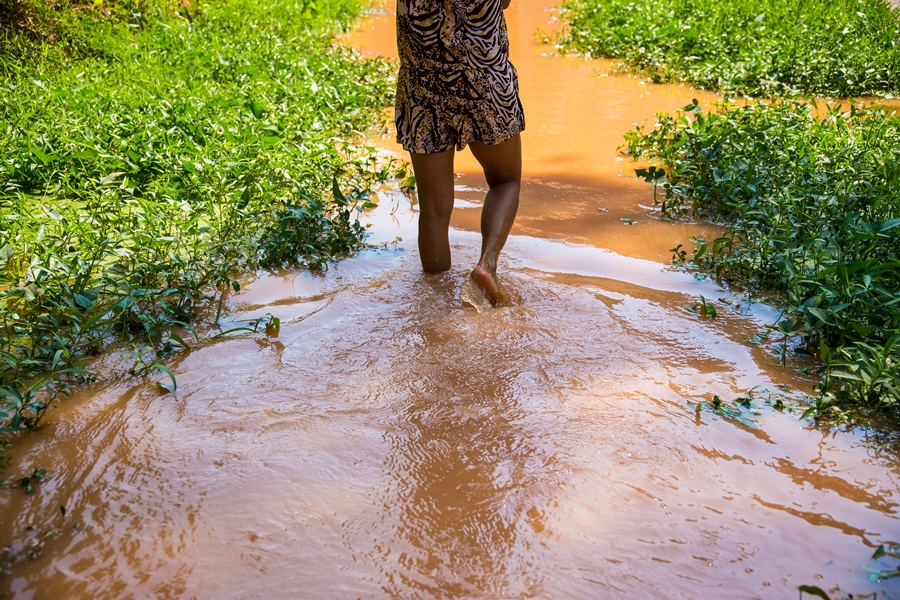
(844,48)
(814,208)
(149,153)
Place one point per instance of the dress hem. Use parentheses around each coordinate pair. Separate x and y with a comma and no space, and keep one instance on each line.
(461,144)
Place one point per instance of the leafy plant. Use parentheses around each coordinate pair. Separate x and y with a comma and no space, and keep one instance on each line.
(812,204)
(741,408)
(877,575)
(892,551)
(33,546)
(704,308)
(763,48)
(657,177)
(150,151)
(28,482)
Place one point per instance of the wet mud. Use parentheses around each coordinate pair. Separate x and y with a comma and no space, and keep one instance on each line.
(390,442)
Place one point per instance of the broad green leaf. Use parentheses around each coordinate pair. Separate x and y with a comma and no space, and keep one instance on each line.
(168,372)
(825,317)
(815,591)
(257,109)
(83,301)
(6,253)
(177,338)
(32,292)
(886,225)
(338,195)
(53,214)
(111,177)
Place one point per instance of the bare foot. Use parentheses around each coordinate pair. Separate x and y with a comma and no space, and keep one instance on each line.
(488,285)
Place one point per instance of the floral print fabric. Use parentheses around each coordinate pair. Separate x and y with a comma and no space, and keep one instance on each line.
(456,84)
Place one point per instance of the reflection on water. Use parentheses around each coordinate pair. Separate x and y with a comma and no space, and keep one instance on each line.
(390,442)
(463,463)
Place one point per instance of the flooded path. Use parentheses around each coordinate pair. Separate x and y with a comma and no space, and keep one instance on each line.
(390,443)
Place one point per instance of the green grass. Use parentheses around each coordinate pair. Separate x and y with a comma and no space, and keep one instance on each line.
(844,48)
(813,205)
(149,153)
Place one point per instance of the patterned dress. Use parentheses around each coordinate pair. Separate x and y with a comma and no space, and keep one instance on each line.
(456,84)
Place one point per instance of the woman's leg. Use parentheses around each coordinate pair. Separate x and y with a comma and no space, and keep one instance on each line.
(434,183)
(502,166)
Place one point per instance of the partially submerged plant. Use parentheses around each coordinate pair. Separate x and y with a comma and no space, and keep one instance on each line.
(146,162)
(813,208)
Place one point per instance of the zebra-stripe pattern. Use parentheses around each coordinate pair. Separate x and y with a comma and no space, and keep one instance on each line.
(456,84)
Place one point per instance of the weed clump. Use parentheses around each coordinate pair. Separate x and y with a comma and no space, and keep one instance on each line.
(839,49)
(149,152)
(813,205)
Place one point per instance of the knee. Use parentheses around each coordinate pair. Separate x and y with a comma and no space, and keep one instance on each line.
(433,221)
(436,212)
(510,176)
(511,183)
(435,202)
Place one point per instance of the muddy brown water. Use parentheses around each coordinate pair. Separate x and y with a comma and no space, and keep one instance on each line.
(390,442)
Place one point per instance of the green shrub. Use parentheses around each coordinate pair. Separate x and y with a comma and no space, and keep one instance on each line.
(814,209)
(763,48)
(150,153)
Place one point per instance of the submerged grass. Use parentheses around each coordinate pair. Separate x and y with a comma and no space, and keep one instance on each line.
(149,152)
(840,49)
(813,203)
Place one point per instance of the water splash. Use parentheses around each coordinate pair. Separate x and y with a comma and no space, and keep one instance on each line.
(473,297)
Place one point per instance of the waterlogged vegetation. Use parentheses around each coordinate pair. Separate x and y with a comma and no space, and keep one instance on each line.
(813,205)
(877,573)
(841,49)
(813,200)
(152,151)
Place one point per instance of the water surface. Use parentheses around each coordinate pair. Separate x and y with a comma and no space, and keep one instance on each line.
(389,442)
